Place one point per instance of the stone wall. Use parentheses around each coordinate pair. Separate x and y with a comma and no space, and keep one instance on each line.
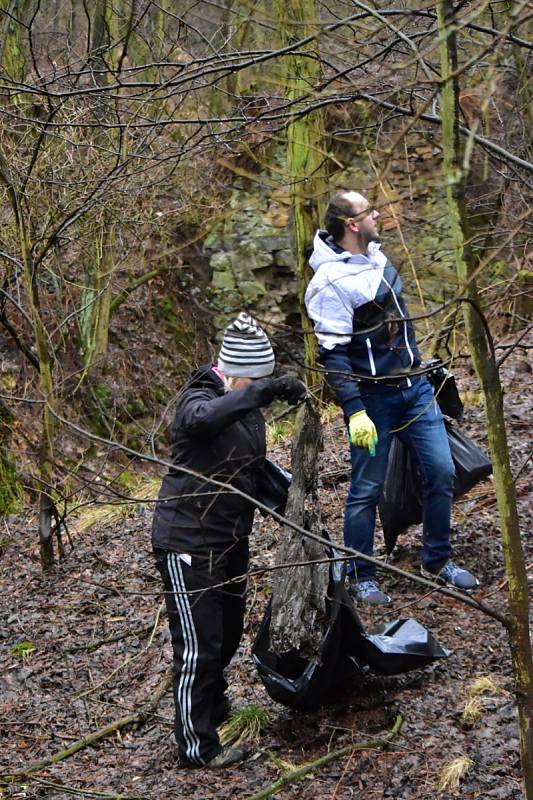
(250,257)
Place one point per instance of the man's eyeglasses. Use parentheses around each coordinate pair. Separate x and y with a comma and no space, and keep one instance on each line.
(361,215)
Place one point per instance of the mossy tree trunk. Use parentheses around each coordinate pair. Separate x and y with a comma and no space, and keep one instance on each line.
(96,299)
(12,56)
(306,155)
(483,355)
(13,61)
(97,295)
(10,488)
(45,359)
(522,307)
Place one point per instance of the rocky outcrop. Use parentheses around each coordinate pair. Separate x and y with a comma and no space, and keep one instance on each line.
(251,259)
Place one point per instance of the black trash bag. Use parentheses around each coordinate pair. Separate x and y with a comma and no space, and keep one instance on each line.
(471,464)
(272,487)
(402,645)
(400,504)
(445,388)
(304,683)
(347,652)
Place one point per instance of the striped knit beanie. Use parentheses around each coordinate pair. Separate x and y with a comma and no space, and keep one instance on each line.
(245,351)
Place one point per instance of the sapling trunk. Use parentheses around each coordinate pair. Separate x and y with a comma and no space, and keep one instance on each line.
(483,356)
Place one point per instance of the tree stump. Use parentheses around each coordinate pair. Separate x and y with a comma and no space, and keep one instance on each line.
(299,592)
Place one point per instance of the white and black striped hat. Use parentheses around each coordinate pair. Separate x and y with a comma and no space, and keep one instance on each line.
(245,351)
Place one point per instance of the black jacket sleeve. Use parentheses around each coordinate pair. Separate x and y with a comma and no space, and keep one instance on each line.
(200,414)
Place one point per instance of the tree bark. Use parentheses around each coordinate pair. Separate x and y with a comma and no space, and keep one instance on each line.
(44,356)
(299,593)
(306,155)
(12,56)
(483,355)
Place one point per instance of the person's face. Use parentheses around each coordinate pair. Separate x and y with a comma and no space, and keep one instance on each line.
(365,221)
(240,383)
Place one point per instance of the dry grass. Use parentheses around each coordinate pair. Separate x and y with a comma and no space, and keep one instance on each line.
(106,513)
(282,765)
(451,775)
(485,685)
(472,712)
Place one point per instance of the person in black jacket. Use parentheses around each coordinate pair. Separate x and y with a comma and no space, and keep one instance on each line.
(368,347)
(201,526)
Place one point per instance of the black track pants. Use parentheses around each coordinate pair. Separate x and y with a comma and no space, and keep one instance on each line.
(206,623)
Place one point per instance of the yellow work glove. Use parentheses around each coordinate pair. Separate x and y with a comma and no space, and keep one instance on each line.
(363,431)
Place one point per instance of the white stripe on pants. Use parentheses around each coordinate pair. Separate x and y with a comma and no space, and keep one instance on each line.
(190,656)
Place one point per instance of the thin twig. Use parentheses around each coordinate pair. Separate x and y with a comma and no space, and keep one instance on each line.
(228,487)
(295,775)
(135,718)
(127,661)
(85,792)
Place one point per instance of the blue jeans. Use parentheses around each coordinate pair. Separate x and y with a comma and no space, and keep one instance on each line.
(414,411)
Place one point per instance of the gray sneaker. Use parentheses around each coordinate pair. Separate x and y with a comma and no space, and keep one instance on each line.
(368,592)
(452,575)
(227,757)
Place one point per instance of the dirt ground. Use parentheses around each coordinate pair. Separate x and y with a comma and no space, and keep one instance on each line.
(75,682)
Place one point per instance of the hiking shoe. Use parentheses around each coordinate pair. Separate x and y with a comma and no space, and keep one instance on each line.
(227,757)
(454,576)
(368,592)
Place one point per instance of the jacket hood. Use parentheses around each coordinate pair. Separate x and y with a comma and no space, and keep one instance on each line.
(204,377)
(326,251)
(323,251)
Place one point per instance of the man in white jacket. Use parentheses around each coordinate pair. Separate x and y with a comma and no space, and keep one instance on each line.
(368,347)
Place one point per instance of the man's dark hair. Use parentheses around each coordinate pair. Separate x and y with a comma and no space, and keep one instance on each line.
(339,208)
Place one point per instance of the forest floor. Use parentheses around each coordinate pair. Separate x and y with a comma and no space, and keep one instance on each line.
(68,681)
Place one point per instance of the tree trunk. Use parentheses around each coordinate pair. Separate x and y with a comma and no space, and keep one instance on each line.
(299,592)
(44,357)
(96,300)
(483,356)
(10,488)
(306,154)
(522,308)
(12,57)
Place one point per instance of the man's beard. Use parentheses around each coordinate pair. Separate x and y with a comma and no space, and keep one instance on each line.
(370,237)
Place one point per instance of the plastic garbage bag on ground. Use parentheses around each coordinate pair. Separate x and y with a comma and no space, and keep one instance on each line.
(304,683)
(402,645)
(346,655)
(400,504)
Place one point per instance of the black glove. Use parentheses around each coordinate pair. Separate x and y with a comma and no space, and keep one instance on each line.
(289,388)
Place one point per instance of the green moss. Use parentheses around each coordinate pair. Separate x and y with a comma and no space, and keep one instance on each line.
(167,311)
(136,407)
(101,392)
(10,489)
(22,649)
(126,479)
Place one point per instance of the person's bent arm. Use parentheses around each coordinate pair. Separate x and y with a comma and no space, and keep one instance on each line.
(203,415)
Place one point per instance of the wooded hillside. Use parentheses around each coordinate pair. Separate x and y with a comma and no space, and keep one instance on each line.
(163,166)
